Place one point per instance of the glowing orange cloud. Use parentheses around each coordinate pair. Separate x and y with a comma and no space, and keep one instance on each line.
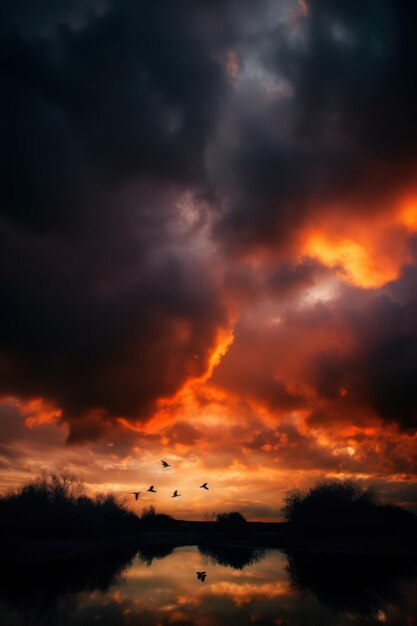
(247,592)
(183,405)
(408,214)
(358,264)
(37,411)
(367,252)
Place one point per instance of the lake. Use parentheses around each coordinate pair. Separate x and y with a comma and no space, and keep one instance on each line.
(159,586)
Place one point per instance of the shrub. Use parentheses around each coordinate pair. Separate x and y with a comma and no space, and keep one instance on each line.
(150,519)
(57,506)
(343,507)
(231,519)
(233,524)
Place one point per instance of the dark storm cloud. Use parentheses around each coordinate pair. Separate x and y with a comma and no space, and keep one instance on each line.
(380,368)
(346,137)
(291,278)
(388,360)
(105,323)
(106,115)
(247,284)
(346,134)
(135,90)
(352,360)
(112,112)
(40,18)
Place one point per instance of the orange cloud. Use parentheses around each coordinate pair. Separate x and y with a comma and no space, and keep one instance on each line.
(37,411)
(366,251)
(357,263)
(408,214)
(243,593)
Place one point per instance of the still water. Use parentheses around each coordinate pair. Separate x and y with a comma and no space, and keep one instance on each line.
(160,586)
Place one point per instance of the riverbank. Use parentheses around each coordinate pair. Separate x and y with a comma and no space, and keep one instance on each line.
(257,535)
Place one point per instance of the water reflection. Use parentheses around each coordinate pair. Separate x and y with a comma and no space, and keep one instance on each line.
(147,554)
(160,585)
(46,591)
(352,584)
(238,558)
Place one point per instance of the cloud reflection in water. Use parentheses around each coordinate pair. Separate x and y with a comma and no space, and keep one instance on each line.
(160,587)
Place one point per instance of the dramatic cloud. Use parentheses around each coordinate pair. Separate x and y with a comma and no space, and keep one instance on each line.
(208,227)
(110,302)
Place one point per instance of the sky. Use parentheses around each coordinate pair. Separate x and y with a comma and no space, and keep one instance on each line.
(208,248)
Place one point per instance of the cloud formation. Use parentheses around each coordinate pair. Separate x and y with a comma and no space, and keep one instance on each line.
(208,231)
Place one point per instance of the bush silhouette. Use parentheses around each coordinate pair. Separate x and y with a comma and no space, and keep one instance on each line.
(233,524)
(150,519)
(344,508)
(57,506)
(233,519)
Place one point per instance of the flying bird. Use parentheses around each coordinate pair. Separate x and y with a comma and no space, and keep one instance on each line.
(203,577)
(200,574)
(175,494)
(204,486)
(151,488)
(165,464)
(136,494)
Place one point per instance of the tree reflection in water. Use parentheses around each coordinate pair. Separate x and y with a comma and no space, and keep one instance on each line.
(159,551)
(46,591)
(238,558)
(245,585)
(362,585)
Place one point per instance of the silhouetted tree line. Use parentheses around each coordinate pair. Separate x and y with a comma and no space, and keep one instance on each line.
(55,506)
(345,509)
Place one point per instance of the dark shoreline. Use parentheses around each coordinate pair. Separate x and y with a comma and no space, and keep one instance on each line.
(257,535)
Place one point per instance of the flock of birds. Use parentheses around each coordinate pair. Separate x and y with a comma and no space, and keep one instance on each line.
(200,575)
(174,495)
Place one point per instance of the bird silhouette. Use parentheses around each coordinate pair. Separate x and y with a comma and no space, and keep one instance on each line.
(175,494)
(203,577)
(204,486)
(200,574)
(151,488)
(165,464)
(136,494)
